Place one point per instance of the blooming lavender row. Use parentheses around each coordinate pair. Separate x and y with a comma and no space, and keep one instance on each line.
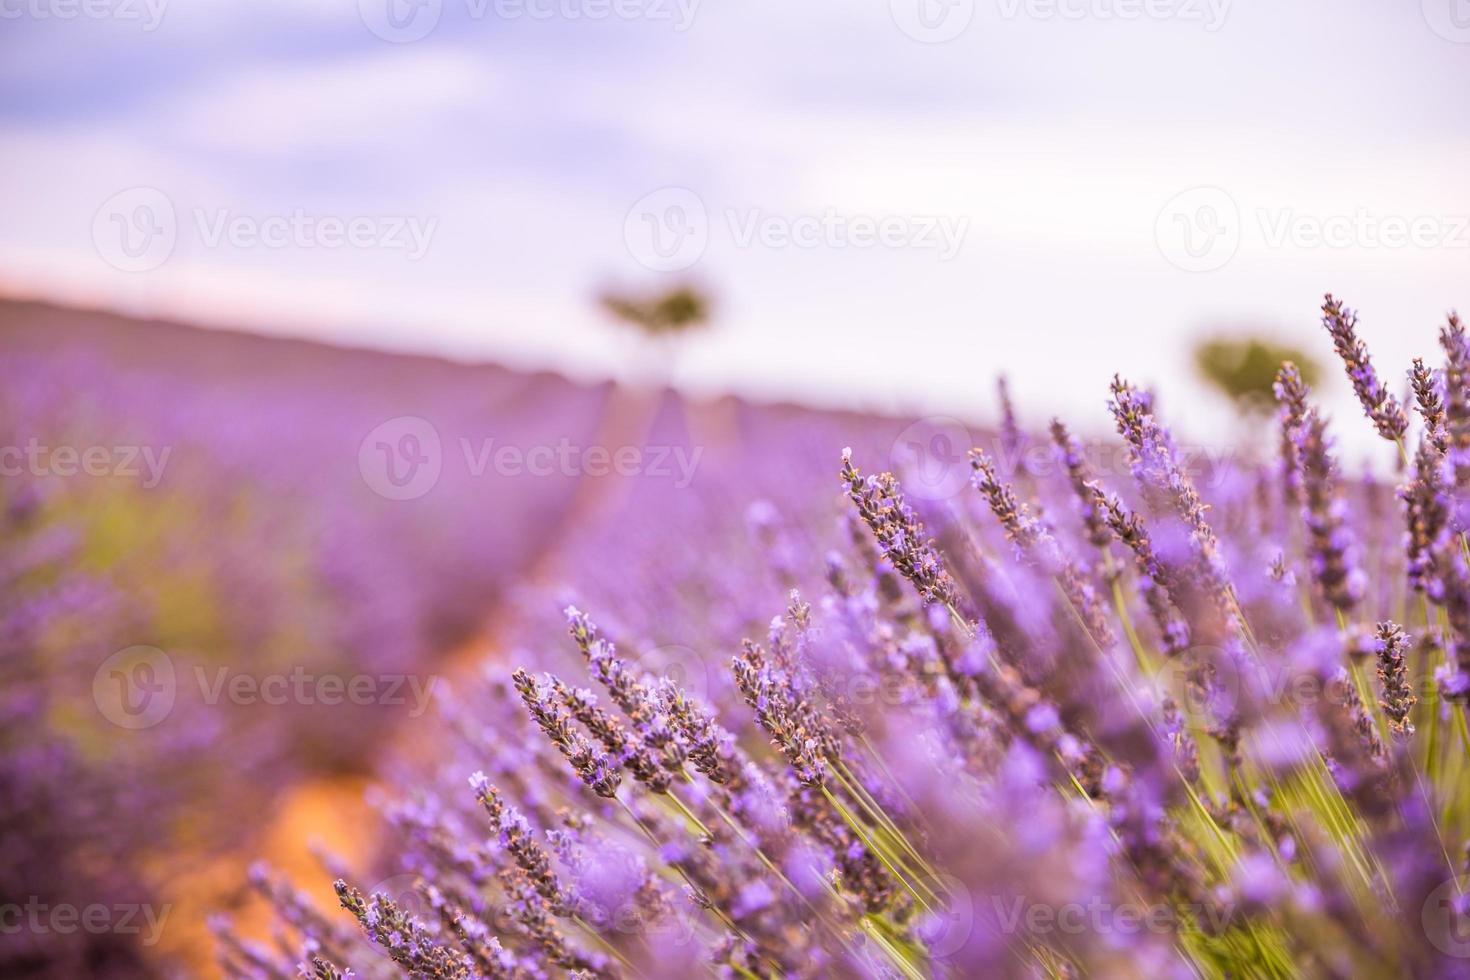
(1175,724)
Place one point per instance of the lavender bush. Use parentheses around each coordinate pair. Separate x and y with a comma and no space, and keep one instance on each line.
(1168,722)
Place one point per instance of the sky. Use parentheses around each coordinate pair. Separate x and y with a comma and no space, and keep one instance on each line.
(891,201)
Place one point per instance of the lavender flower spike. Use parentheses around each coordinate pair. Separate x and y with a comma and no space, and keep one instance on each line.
(1457,402)
(595,768)
(628,693)
(900,535)
(515,836)
(1333,547)
(1398,691)
(1431,405)
(1291,396)
(1382,408)
(402,936)
(1079,475)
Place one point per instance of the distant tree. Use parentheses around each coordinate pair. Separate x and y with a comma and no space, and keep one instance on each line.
(1244,367)
(660,314)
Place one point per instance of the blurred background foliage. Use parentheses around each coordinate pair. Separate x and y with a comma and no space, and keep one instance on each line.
(1243,366)
(660,313)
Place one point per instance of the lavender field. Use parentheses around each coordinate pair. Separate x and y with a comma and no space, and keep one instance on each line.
(218,601)
(642,489)
(786,693)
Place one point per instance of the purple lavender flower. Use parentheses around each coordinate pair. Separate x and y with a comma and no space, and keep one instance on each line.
(1393,673)
(1381,407)
(1079,475)
(1431,406)
(1333,546)
(1291,397)
(596,769)
(899,533)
